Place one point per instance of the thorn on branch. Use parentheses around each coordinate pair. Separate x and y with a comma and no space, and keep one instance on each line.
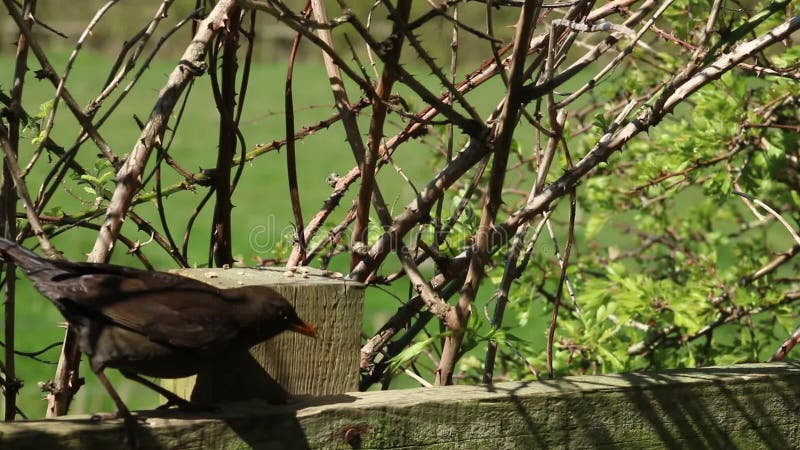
(43,74)
(333,179)
(48,386)
(206,178)
(417,132)
(12,385)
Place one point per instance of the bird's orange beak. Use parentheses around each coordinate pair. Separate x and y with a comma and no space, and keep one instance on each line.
(304,328)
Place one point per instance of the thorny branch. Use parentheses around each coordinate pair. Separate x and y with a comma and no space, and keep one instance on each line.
(510,170)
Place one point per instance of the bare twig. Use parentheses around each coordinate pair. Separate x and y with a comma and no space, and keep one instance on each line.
(129,176)
(128,184)
(226,102)
(348,117)
(8,223)
(786,347)
(774,213)
(376,126)
(501,143)
(299,244)
(49,73)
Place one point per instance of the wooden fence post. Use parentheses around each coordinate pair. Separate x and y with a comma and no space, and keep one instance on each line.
(302,366)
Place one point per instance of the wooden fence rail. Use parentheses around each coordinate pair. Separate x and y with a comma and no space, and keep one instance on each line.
(744,406)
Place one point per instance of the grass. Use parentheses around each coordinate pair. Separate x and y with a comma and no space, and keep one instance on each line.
(262,217)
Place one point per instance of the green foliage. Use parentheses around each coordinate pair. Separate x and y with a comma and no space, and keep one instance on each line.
(675,294)
(669,267)
(100,182)
(35,124)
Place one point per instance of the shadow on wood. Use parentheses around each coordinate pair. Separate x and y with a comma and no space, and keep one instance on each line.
(238,377)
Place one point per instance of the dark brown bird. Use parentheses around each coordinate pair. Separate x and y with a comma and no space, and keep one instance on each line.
(154,323)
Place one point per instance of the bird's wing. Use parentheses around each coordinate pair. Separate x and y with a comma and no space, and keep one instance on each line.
(183,318)
(91,285)
(166,308)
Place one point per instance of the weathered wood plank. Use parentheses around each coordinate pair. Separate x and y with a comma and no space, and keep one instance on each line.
(745,406)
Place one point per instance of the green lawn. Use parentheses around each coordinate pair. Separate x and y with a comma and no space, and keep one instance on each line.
(262,203)
(262,218)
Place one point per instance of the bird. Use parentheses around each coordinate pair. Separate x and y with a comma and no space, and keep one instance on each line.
(150,323)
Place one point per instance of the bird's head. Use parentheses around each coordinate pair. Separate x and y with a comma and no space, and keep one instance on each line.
(273,313)
(288,316)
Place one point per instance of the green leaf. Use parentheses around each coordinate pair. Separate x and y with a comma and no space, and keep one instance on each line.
(616,364)
(90,179)
(107,176)
(595,223)
(55,211)
(410,353)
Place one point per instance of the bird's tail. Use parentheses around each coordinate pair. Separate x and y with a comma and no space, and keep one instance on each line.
(25,259)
